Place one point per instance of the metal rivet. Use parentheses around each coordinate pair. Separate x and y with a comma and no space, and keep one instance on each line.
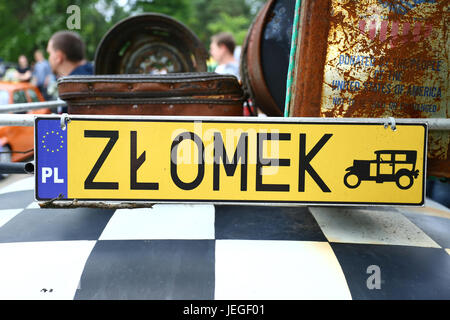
(390,121)
(64,120)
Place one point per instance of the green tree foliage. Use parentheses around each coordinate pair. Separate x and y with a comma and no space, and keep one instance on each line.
(181,10)
(237,25)
(206,17)
(26,25)
(213,16)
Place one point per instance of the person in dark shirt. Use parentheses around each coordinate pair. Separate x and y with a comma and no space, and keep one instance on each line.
(66,52)
(24,70)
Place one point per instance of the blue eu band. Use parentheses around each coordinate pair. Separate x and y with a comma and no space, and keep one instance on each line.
(51,159)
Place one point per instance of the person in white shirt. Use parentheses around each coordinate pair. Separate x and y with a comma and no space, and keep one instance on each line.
(222,50)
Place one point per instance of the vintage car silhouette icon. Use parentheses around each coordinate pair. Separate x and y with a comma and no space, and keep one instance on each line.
(389,166)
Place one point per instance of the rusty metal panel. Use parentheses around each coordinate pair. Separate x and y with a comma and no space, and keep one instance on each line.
(376,58)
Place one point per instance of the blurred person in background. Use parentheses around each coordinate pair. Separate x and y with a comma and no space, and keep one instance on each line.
(66,52)
(66,57)
(222,51)
(23,71)
(2,68)
(42,73)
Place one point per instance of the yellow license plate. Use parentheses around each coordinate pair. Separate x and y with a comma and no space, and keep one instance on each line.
(274,161)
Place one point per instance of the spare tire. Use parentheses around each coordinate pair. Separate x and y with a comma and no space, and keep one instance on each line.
(150,43)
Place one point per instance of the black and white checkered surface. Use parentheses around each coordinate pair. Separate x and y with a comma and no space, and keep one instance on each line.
(220,252)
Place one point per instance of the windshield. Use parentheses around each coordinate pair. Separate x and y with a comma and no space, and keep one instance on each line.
(4,97)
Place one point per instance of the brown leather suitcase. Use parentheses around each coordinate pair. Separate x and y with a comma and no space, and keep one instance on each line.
(193,94)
